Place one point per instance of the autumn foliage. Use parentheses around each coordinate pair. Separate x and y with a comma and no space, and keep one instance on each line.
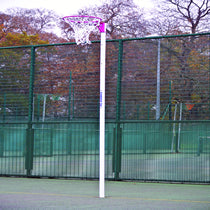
(16,39)
(70,73)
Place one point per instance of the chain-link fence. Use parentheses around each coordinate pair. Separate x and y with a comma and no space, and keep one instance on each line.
(157,109)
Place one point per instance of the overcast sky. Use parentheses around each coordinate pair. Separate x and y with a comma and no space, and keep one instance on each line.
(61,7)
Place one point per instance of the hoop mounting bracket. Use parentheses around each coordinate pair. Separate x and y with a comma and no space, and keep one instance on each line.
(102,27)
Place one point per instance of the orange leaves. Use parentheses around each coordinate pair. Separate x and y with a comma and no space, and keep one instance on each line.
(2,32)
(198,60)
(16,39)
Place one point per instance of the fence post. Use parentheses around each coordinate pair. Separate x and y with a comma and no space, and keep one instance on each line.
(30,130)
(2,142)
(209,76)
(118,142)
(73,102)
(29,149)
(2,129)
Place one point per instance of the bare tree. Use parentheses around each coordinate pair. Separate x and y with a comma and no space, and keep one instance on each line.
(179,17)
(193,12)
(190,15)
(5,21)
(32,21)
(124,19)
(162,25)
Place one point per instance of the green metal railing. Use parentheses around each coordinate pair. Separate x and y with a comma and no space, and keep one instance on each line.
(49,108)
(71,150)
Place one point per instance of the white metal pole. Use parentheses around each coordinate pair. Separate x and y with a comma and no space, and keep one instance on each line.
(158,84)
(102,111)
(180,118)
(44,109)
(174,129)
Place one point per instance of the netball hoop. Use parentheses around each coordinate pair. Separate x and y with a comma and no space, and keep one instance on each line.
(83,26)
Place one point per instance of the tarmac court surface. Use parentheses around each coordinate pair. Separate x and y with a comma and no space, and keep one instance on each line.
(31,193)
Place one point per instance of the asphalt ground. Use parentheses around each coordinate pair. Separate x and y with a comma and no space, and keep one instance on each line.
(31,193)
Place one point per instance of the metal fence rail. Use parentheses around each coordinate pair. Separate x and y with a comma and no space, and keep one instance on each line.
(146,151)
(157,109)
